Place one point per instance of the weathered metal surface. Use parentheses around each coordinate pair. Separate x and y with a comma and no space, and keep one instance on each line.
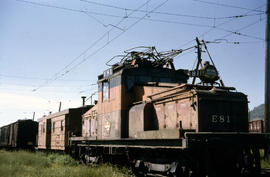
(159,134)
(183,107)
(142,117)
(89,122)
(176,110)
(128,85)
(57,128)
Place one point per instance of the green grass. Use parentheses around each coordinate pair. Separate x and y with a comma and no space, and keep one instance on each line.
(28,164)
(265,162)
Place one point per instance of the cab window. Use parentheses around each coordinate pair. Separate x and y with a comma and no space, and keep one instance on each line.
(105,90)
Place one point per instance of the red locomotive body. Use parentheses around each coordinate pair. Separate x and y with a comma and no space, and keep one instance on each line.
(147,115)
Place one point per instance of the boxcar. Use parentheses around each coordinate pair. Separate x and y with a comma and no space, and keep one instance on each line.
(21,134)
(256,125)
(55,129)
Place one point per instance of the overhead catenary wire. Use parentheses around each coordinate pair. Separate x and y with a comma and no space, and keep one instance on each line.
(82,61)
(38,78)
(217,41)
(61,74)
(128,9)
(228,5)
(236,32)
(99,49)
(86,12)
(217,26)
(169,13)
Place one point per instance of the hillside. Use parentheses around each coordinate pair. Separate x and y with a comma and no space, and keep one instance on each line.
(257,112)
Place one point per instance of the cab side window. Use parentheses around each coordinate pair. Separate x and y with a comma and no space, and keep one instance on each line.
(105,90)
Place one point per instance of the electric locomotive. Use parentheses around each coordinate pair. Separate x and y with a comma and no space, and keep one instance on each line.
(148,116)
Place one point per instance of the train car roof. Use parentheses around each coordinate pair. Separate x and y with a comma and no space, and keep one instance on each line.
(64,112)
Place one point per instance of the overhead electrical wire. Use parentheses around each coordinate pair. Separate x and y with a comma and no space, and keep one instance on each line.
(37,78)
(228,5)
(167,13)
(86,12)
(218,26)
(57,76)
(31,85)
(44,84)
(236,32)
(128,9)
(233,42)
(153,20)
(66,8)
(99,49)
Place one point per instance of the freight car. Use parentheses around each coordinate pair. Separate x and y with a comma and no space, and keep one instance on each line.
(21,134)
(55,129)
(148,116)
(256,125)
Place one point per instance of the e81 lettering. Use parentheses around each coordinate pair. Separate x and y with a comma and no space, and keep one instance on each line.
(221,119)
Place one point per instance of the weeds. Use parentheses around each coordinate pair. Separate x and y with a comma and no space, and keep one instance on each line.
(27,164)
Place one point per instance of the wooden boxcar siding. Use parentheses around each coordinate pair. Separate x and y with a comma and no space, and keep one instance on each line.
(4,135)
(58,135)
(42,133)
(13,136)
(72,119)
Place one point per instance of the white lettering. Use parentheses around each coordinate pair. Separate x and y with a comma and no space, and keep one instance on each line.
(221,119)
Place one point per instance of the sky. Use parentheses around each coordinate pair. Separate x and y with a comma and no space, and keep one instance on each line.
(52,51)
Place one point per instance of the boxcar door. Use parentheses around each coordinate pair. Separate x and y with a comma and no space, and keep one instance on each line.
(48,134)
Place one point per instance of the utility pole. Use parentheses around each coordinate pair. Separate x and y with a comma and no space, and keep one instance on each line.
(267,70)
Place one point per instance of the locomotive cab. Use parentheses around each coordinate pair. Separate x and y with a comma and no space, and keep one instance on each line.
(122,86)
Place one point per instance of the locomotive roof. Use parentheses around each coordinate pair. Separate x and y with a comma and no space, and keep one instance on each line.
(138,70)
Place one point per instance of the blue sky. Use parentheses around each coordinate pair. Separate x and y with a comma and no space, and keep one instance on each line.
(44,57)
